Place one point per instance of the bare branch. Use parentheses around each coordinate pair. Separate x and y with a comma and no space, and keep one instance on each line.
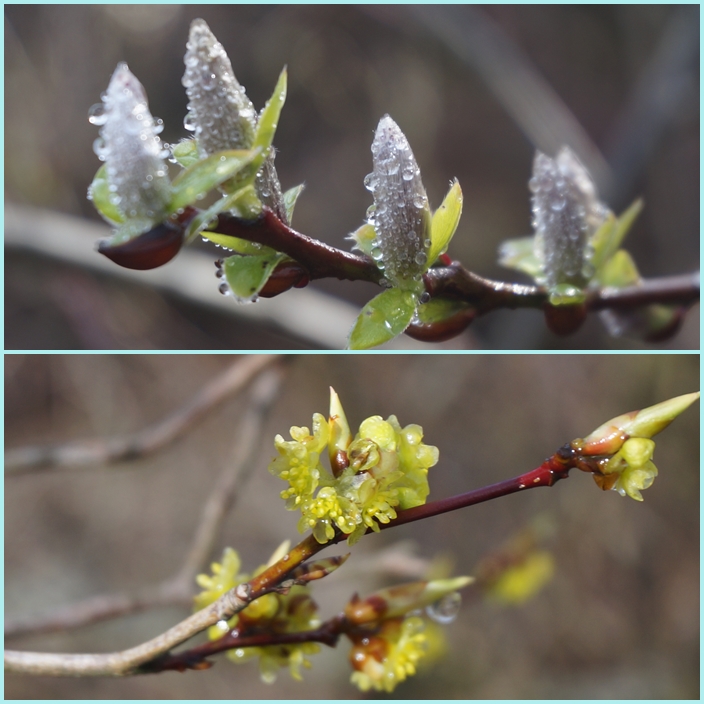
(146,441)
(178,589)
(128,662)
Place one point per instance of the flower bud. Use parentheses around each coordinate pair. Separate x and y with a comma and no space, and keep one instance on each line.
(609,437)
(129,145)
(340,435)
(400,214)
(566,213)
(399,600)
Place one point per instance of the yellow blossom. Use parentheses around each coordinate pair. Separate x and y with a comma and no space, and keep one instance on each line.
(272,613)
(382,468)
(384,660)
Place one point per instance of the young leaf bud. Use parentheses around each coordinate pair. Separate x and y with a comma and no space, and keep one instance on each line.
(566,213)
(219,111)
(129,145)
(400,214)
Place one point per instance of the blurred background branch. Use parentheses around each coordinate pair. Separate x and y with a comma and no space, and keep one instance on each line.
(177,590)
(146,441)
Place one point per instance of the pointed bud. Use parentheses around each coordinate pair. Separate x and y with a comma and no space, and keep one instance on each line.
(610,437)
(219,111)
(566,213)
(399,600)
(340,435)
(268,188)
(400,214)
(130,146)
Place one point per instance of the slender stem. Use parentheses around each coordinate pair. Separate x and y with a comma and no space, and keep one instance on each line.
(193,658)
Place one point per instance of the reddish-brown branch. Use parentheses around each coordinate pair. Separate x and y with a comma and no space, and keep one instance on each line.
(452,280)
(195,658)
(318,259)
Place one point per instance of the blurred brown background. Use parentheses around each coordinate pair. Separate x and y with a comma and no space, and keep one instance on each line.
(619,620)
(476,90)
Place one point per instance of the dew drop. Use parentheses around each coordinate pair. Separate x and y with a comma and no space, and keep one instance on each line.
(97,114)
(189,122)
(446,609)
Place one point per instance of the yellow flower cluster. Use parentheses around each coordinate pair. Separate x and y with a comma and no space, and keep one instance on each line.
(271,613)
(384,660)
(381,468)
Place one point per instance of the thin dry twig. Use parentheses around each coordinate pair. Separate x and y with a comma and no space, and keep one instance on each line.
(178,589)
(143,442)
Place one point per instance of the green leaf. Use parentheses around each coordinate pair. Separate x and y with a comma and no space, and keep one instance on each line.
(243,203)
(383,318)
(519,254)
(444,222)
(438,310)
(99,193)
(269,118)
(246,275)
(200,178)
(608,238)
(236,244)
(620,270)
(364,238)
(290,198)
(186,152)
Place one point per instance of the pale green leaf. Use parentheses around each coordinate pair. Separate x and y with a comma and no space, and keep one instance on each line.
(99,193)
(290,198)
(608,238)
(444,222)
(437,310)
(186,152)
(246,275)
(383,318)
(620,270)
(269,118)
(236,244)
(364,238)
(200,178)
(519,254)
(243,203)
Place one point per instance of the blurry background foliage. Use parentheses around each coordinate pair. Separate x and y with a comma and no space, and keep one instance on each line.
(620,619)
(452,77)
